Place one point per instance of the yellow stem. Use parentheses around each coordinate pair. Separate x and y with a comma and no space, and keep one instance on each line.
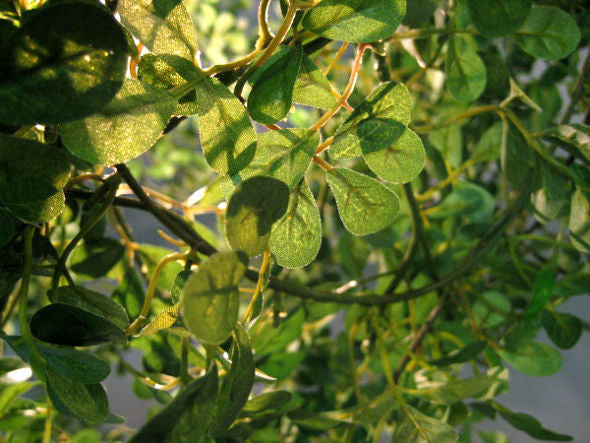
(337,57)
(259,283)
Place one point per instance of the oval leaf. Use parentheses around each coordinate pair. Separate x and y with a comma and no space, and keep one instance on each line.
(563,329)
(533,358)
(495,18)
(466,73)
(75,365)
(312,88)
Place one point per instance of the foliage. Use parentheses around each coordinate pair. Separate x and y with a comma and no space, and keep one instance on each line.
(368,218)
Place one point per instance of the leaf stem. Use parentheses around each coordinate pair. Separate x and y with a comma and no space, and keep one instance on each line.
(259,284)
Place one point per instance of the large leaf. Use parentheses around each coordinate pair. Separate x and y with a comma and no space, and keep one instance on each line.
(563,329)
(360,21)
(64,324)
(238,384)
(256,204)
(312,88)
(124,129)
(364,205)
(532,358)
(187,418)
(420,428)
(376,123)
(32,179)
(296,238)
(210,300)
(272,94)
(495,18)
(466,73)
(400,162)
(86,401)
(64,63)
(75,365)
(227,135)
(164,26)
(548,33)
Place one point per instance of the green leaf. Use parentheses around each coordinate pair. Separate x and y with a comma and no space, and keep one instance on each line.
(8,226)
(32,178)
(399,163)
(238,384)
(227,135)
(187,417)
(465,354)
(492,309)
(269,339)
(177,288)
(579,223)
(312,88)
(162,321)
(420,428)
(64,63)
(466,73)
(92,302)
(365,206)
(468,200)
(542,291)
(449,142)
(272,94)
(166,71)
(496,18)
(124,129)
(64,324)
(550,200)
(256,204)
(10,392)
(211,297)
(359,21)
(517,158)
(296,238)
(376,123)
(530,425)
(563,329)
(86,401)
(284,154)
(268,403)
(163,26)
(489,147)
(536,359)
(548,33)
(454,391)
(75,365)
(96,258)
(576,136)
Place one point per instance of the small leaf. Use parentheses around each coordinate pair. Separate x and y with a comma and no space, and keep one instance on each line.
(496,18)
(124,129)
(563,329)
(296,238)
(75,365)
(530,425)
(164,320)
(256,204)
(548,33)
(211,297)
(86,401)
(468,200)
(75,53)
(469,352)
(188,416)
(399,163)
(542,291)
(489,147)
(579,223)
(268,403)
(449,142)
(466,73)
(517,158)
(227,135)
(63,324)
(452,392)
(312,88)
(365,206)
(177,288)
(492,309)
(238,384)
(536,359)
(376,123)
(96,258)
(359,21)
(164,26)
(420,428)
(272,94)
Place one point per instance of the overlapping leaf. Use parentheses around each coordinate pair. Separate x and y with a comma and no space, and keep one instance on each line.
(495,18)
(466,73)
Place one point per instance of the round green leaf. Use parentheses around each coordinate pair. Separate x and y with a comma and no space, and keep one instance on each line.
(536,359)
(256,204)
(64,63)
(399,163)
(365,206)
(495,18)
(548,33)
(359,21)
(210,301)
(75,365)
(563,329)
(466,73)
(296,238)
(124,129)
(492,309)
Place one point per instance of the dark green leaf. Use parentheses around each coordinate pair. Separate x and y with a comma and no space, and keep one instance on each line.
(548,33)
(187,418)
(524,330)
(420,428)
(227,135)
(66,62)
(164,26)
(312,88)
(376,123)
(272,94)
(210,300)
(124,129)
(531,425)
(536,359)
(466,73)
(359,21)
(63,324)
(256,204)
(96,258)
(517,158)
(542,291)
(129,292)
(469,352)
(365,206)
(495,18)
(7,226)
(238,384)
(563,329)
(177,288)
(74,365)
(296,238)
